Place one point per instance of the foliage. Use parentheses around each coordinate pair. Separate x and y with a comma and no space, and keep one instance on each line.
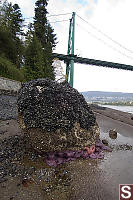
(45,35)
(7,45)
(8,70)
(34,59)
(30,52)
(11,25)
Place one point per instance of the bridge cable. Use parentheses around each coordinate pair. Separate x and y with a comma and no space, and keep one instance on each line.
(51,15)
(55,21)
(106,35)
(59,14)
(60,21)
(108,45)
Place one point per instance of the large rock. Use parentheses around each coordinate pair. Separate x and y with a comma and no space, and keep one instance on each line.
(55,116)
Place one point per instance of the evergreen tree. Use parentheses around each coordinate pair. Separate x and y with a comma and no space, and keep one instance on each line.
(12,22)
(7,45)
(29,34)
(16,21)
(34,60)
(12,18)
(45,35)
(36,50)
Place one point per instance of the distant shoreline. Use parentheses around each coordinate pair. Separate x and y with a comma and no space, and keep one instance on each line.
(120,103)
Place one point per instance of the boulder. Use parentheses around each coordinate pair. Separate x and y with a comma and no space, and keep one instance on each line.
(55,116)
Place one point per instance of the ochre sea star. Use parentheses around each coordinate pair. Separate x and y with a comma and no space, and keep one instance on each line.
(90,150)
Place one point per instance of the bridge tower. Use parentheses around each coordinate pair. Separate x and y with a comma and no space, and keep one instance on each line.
(70,51)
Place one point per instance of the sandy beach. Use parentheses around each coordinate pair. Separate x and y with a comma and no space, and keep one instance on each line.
(78,180)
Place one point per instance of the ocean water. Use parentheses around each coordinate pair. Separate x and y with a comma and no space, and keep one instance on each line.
(128,109)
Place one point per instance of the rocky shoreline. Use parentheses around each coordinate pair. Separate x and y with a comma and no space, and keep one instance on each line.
(20,171)
(113,114)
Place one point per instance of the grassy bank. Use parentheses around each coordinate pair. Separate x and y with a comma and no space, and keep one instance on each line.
(8,70)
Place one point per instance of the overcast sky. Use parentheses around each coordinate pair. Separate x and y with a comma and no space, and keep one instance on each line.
(113,18)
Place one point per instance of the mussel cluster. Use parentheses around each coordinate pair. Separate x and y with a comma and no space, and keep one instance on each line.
(49,105)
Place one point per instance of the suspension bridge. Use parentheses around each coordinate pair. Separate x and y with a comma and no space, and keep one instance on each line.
(71,58)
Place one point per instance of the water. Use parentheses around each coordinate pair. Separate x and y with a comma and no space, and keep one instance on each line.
(128,109)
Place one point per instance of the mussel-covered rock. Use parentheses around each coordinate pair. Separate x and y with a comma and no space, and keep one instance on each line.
(55,116)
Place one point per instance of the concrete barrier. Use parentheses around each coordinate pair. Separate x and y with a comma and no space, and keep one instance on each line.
(9,86)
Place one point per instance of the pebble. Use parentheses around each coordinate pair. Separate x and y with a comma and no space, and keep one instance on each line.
(113,134)
(105,142)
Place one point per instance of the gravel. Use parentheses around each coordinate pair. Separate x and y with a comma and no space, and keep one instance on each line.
(12,151)
(8,107)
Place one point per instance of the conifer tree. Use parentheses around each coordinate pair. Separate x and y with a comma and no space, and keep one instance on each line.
(45,35)
(34,60)
(7,44)
(12,23)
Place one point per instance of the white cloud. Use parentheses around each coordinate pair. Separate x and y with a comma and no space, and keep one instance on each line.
(26,6)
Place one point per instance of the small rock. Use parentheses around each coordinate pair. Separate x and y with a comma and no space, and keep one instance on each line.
(19,184)
(2,132)
(27,182)
(12,197)
(113,134)
(105,142)
(2,180)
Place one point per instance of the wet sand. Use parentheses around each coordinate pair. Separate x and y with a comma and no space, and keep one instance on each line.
(117,115)
(81,179)
(106,123)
